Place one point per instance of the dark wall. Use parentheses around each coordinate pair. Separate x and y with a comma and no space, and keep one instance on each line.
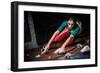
(27,36)
(46,23)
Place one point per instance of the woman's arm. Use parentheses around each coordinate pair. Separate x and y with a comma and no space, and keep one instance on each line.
(52,38)
(50,41)
(63,25)
(68,41)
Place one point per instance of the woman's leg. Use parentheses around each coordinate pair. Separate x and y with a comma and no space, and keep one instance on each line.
(62,35)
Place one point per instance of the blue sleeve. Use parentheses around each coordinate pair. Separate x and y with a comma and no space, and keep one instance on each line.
(75,32)
(63,25)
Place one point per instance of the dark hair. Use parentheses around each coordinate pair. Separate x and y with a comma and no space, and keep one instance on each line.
(71,18)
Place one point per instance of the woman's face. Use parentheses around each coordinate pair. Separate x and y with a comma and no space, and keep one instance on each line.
(71,24)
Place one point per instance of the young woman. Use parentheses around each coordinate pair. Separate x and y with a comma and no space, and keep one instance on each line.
(69,28)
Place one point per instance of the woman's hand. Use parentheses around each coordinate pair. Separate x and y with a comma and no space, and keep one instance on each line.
(45,49)
(60,50)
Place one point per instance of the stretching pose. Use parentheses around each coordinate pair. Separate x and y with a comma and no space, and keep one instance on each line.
(70,29)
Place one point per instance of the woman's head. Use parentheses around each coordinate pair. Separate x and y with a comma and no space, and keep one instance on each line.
(71,23)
